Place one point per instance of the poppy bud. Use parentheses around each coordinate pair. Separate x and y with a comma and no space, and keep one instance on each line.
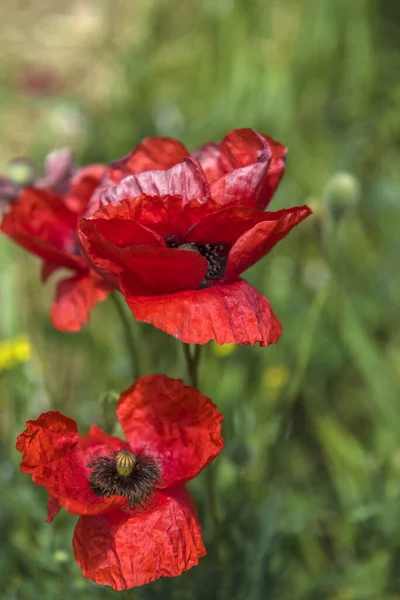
(342,193)
(125,462)
(240,453)
(21,171)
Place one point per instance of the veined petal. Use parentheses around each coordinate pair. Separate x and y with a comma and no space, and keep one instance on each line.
(154,153)
(245,168)
(174,423)
(46,439)
(186,179)
(234,313)
(260,239)
(128,549)
(75,297)
(40,222)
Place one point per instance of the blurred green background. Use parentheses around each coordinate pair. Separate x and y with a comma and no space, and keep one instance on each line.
(304,503)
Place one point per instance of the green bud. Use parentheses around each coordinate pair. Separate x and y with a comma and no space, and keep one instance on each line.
(342,193)
(240,453)
(21,171)
(60,556)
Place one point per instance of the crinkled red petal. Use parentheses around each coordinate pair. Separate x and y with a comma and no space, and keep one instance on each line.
(276,171)
(124,550)
(234,313)
(225,225)
(147,270)
(209,156)
(185,179)
(122,225)
(260,239)
(245,168)
(53,508)
(75,297)
(172,422)
(82,186)
(47,270)
(164,216)
(154,271)
(46,439)
(40,222)
(154,153)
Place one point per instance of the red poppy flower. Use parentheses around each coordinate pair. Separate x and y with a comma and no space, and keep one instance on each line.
(246,166)
(177,254)
(137,522)
(44,222)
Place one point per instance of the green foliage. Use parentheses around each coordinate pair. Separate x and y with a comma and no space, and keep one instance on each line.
(304,503)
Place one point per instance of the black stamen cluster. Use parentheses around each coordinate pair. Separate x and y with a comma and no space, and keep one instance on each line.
(137,487)
(216,261)
(215,255)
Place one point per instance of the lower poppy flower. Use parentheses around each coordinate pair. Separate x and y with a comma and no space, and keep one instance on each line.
(137,520)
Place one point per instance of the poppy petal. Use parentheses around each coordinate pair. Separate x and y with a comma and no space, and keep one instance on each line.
(75,297)
(120,225)
(47,270)
(40,222)
(172,422)
(46,439)
(224,226)
(53,508)
(246,167)
(125,550)
(58,170)
(146,269)
(186,179)
(259,240)
(82,186)
(154,153)
(154,271)
(229,314)
(209,156)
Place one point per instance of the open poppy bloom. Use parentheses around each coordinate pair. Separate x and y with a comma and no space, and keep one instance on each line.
(43,219)
(246,166)
(177,253)
(137,520)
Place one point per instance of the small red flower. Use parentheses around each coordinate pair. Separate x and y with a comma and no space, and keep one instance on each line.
(137,521)
(177,253)
(43,219)
(245,167)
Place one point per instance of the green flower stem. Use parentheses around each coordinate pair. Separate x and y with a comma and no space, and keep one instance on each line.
(192,362)
(128,332)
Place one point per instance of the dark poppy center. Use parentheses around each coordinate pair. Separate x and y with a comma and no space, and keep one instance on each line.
(215,254)
(125,473)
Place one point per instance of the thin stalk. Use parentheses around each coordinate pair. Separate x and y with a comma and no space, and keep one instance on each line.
(192,363)
(128,334)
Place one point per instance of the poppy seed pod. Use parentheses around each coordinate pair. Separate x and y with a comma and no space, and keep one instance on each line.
(342,193)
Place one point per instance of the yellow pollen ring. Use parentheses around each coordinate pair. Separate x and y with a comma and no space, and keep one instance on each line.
(125,462)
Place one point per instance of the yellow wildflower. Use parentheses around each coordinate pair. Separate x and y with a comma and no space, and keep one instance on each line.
(222,350)
(14,352)
(275,377)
